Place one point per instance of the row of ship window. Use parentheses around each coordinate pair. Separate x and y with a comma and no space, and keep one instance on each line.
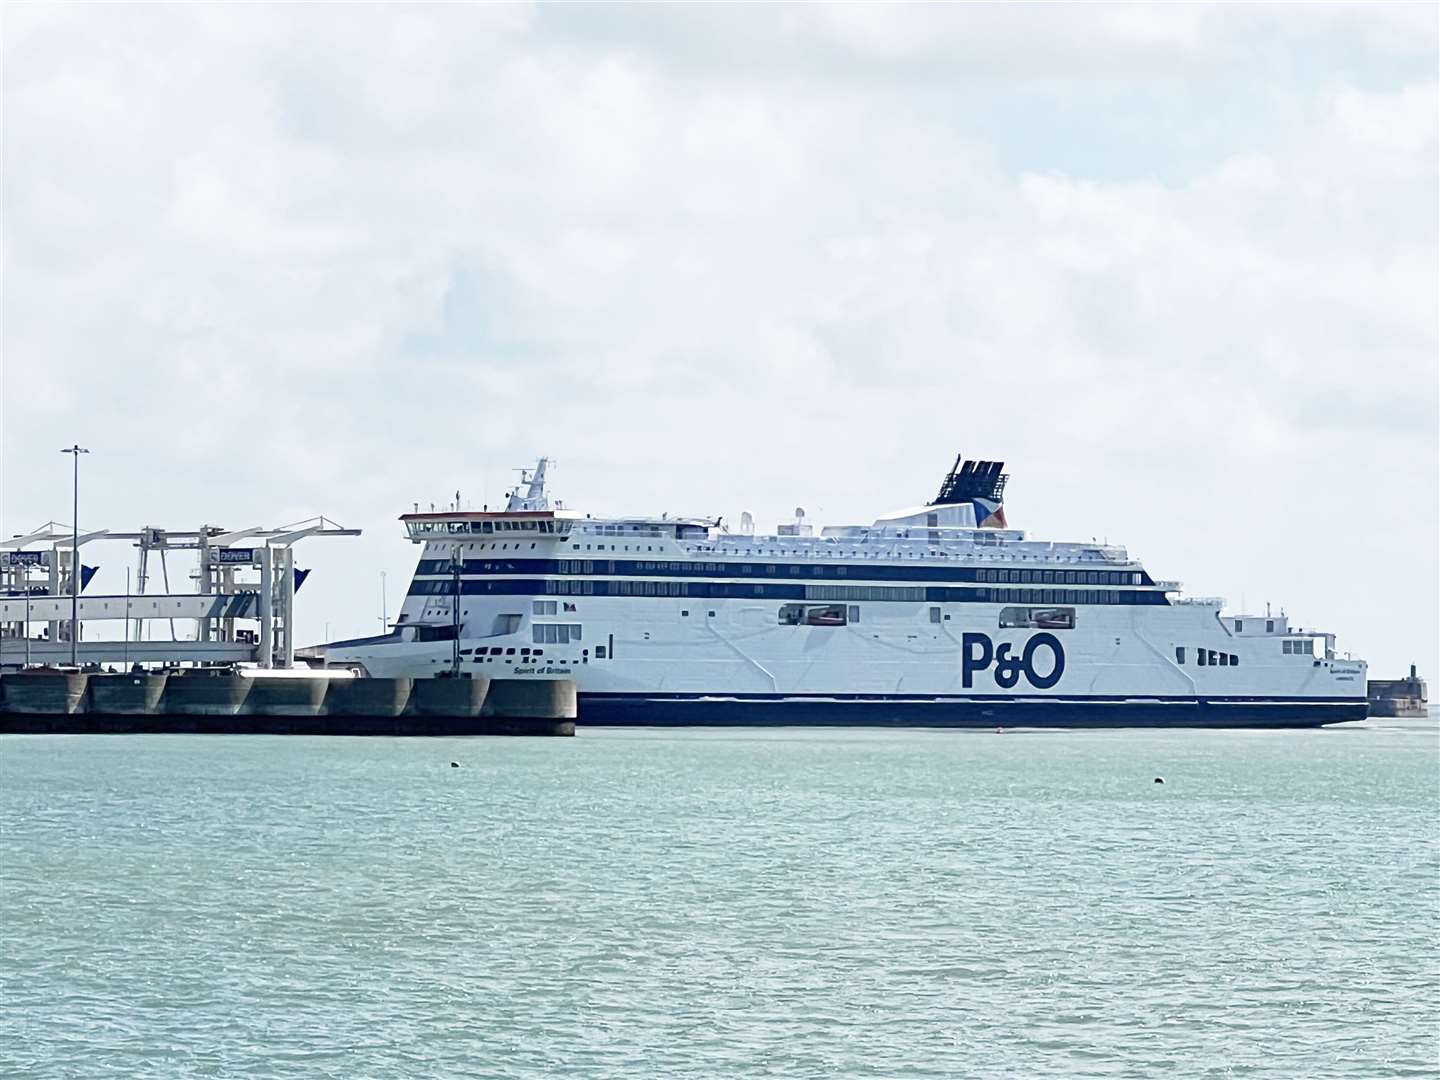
(495,650)
(1208,657)
(1011,618)
(986,596)
(1213,658)
(487,528)
(612,567)
(791,591)
(555,633)
(625,530)
(981,574)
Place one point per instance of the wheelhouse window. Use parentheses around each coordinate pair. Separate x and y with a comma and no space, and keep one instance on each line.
(555,633)
(1037,618)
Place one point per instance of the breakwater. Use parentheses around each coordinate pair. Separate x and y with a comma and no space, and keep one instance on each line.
(225,702)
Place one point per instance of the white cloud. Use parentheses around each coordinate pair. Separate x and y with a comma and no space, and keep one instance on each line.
(272,262)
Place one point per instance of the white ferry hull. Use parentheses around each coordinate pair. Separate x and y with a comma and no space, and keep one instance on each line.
(718,662)
(936,616)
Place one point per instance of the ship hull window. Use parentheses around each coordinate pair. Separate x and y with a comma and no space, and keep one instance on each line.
(1038,618)
(555,633)
(812,615)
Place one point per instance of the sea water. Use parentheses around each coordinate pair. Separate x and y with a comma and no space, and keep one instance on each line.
(723,903)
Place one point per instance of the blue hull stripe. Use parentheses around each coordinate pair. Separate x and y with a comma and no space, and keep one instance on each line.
(881,710)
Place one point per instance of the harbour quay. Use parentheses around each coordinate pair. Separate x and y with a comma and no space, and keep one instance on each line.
(233,702)
(235,672)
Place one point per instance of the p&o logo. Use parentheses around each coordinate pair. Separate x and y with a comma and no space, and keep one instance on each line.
(979,653)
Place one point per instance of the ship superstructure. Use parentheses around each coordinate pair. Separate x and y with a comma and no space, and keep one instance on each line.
(940,614)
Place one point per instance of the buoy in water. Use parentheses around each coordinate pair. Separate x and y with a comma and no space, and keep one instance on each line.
(454,764)
(1159,779)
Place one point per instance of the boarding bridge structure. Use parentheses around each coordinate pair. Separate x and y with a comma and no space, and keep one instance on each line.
(242,609)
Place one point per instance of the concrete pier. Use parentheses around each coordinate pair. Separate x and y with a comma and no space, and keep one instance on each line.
(368,697)
(521,699)
(287,697)
(225,702)
(460,698)
(127,695)
(206,693)
(36,693)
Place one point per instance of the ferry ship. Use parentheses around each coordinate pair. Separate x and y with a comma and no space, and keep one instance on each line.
(936,615)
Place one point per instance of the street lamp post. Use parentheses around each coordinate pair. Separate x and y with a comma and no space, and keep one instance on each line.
(75,452)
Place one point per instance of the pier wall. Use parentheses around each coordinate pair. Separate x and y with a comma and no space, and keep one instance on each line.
(223,702)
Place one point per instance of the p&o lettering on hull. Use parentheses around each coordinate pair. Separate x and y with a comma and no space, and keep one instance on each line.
(978,653)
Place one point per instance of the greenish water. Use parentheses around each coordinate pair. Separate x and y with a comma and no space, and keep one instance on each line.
(715,903)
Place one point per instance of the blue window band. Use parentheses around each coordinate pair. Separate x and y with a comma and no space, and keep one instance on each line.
(878,571)
(788,591)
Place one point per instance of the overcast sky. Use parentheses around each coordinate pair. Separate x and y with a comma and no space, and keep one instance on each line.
(1177,265)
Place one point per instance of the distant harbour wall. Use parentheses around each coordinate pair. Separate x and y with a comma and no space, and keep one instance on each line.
(223,702)
(1405,697)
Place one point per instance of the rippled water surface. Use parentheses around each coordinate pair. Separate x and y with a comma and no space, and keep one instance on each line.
(723,903)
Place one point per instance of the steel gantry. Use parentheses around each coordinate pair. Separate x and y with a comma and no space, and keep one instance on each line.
(241,576)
